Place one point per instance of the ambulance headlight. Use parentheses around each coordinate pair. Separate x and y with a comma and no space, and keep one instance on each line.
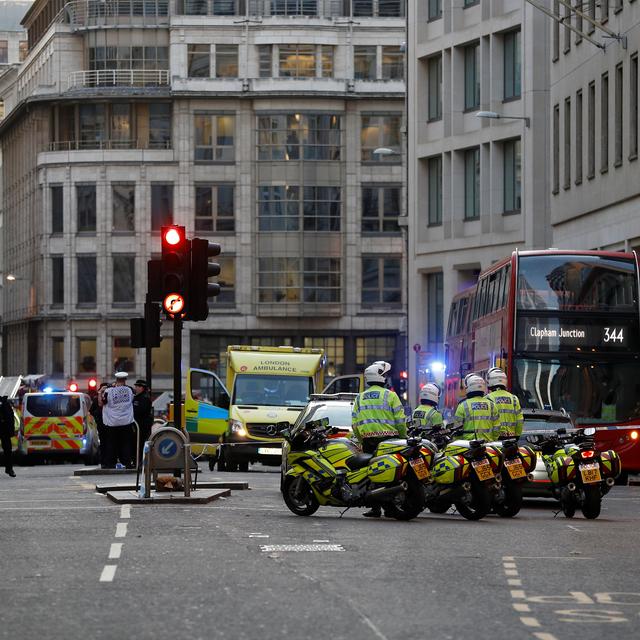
(238,429)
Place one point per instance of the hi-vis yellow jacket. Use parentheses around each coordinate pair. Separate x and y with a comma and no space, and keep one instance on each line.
(378,413)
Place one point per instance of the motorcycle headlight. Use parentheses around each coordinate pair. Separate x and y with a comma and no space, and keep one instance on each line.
(237,428)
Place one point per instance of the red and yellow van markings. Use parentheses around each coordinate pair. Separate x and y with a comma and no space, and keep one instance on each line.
(59,425)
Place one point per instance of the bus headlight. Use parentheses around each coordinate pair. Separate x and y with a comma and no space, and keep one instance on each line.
(634,435)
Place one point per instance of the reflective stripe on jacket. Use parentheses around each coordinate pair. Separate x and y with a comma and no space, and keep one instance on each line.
(378,413)
(480,419)
(511,419)
(426,417)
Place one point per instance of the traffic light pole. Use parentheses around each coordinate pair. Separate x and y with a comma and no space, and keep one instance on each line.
(177,371)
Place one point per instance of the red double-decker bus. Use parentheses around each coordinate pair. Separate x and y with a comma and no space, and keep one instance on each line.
(565,325)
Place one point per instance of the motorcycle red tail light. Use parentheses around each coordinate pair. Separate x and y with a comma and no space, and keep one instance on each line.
(588,454)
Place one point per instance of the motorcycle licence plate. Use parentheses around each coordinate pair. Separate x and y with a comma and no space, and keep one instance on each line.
(483,469)
(590,473)
(420,468)
(515,469)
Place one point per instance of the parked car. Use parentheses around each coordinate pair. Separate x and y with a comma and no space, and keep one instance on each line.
(337,407)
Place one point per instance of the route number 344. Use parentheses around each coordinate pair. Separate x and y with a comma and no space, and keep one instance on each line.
(614,334)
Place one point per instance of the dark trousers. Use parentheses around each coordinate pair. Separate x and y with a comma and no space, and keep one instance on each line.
(118,446)
(6,448)
(102,436)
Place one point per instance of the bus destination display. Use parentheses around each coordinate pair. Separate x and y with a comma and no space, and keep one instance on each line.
(553,334)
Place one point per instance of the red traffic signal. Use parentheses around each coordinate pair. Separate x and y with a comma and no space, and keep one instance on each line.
(176,253)
(73,386)
(92,384)
(173,236)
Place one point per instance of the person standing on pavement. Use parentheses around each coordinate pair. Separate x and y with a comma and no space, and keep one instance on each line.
(117,414)
(7,431)
(142,413)
(478,415)
(96,411)
(508,405)
(377,414)
(426,416)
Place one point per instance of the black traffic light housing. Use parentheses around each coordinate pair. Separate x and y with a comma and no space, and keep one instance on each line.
(201,271)
(176,251)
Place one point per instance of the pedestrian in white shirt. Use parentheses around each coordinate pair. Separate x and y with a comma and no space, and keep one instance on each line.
(117,414)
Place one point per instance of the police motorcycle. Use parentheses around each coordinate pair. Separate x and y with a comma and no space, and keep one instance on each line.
(464,473)
(333,472)
(580,475)
(519,461)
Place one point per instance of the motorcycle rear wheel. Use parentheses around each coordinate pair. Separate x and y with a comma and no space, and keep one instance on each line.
(592,503)
(512,503)
(567,504)
(410,506)
(479,504)
(299,497)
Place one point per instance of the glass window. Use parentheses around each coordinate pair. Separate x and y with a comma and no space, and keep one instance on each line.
(577,283)
(57,356)
(294,7)
(297,60)
(265,63)
(4,51)
(226,8)
(86,355)
(123,202)
(215,137)
(591,131)
(124,279)
(23,50)
(334,350)
(162,357)
(380,130)
(567,143)
(57,280)
(392,63)
(57,209)
(278,208)
(434,11)
(321,280)
(124,357)
(381,280)
(93,125)
(278,280)
(326,61)
(199,61)
(161,205)
(512,175)
(215,208)
(160,125)
(556,148)
(618,120)
(472,76)
(434,80)
(380,208)
(604,123)
(512,64)
(435,313)
(578,149)
(120,125)
(321,208)
(226,280)
(226,61)
(434,169)
(86,204)
(633,106)
(372,348)
(364,62)
(87,286)
(472,184)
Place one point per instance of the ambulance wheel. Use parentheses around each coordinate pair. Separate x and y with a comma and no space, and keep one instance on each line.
(299,497)
(592,502)
(243,467)
(476,503)
(512,501)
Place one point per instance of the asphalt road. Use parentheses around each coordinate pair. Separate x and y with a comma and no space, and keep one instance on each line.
(75,565)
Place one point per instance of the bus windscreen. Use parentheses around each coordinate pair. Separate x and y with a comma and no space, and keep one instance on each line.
(591,392)
(563,282)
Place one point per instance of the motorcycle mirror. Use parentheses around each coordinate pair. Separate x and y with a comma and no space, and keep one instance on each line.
(589,431)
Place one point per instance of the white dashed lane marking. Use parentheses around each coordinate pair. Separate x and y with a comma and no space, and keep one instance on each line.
(125,511)
(115,551)
(121,529)
(108,573)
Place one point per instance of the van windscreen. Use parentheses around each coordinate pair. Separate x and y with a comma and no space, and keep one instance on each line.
(52,406)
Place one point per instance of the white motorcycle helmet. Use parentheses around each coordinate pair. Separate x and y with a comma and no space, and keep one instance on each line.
(377,372)
(473,382)
(430,392)
(496,377)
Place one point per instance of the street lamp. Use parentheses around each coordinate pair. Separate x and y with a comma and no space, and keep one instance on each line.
(11,278)
(385,151)
(492,115)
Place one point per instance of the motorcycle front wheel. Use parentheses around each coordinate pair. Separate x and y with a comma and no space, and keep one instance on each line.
(476,503)
(512,503)
(567,503)
(591,503)
(299,497)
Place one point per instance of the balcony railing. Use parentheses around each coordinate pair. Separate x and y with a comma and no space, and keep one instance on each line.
(106,145)
(95,13)
(119,78)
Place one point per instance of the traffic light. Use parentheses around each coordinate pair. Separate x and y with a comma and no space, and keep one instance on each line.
(73,386)
(201,271)
(152,324)
(175,269)
(402,385)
